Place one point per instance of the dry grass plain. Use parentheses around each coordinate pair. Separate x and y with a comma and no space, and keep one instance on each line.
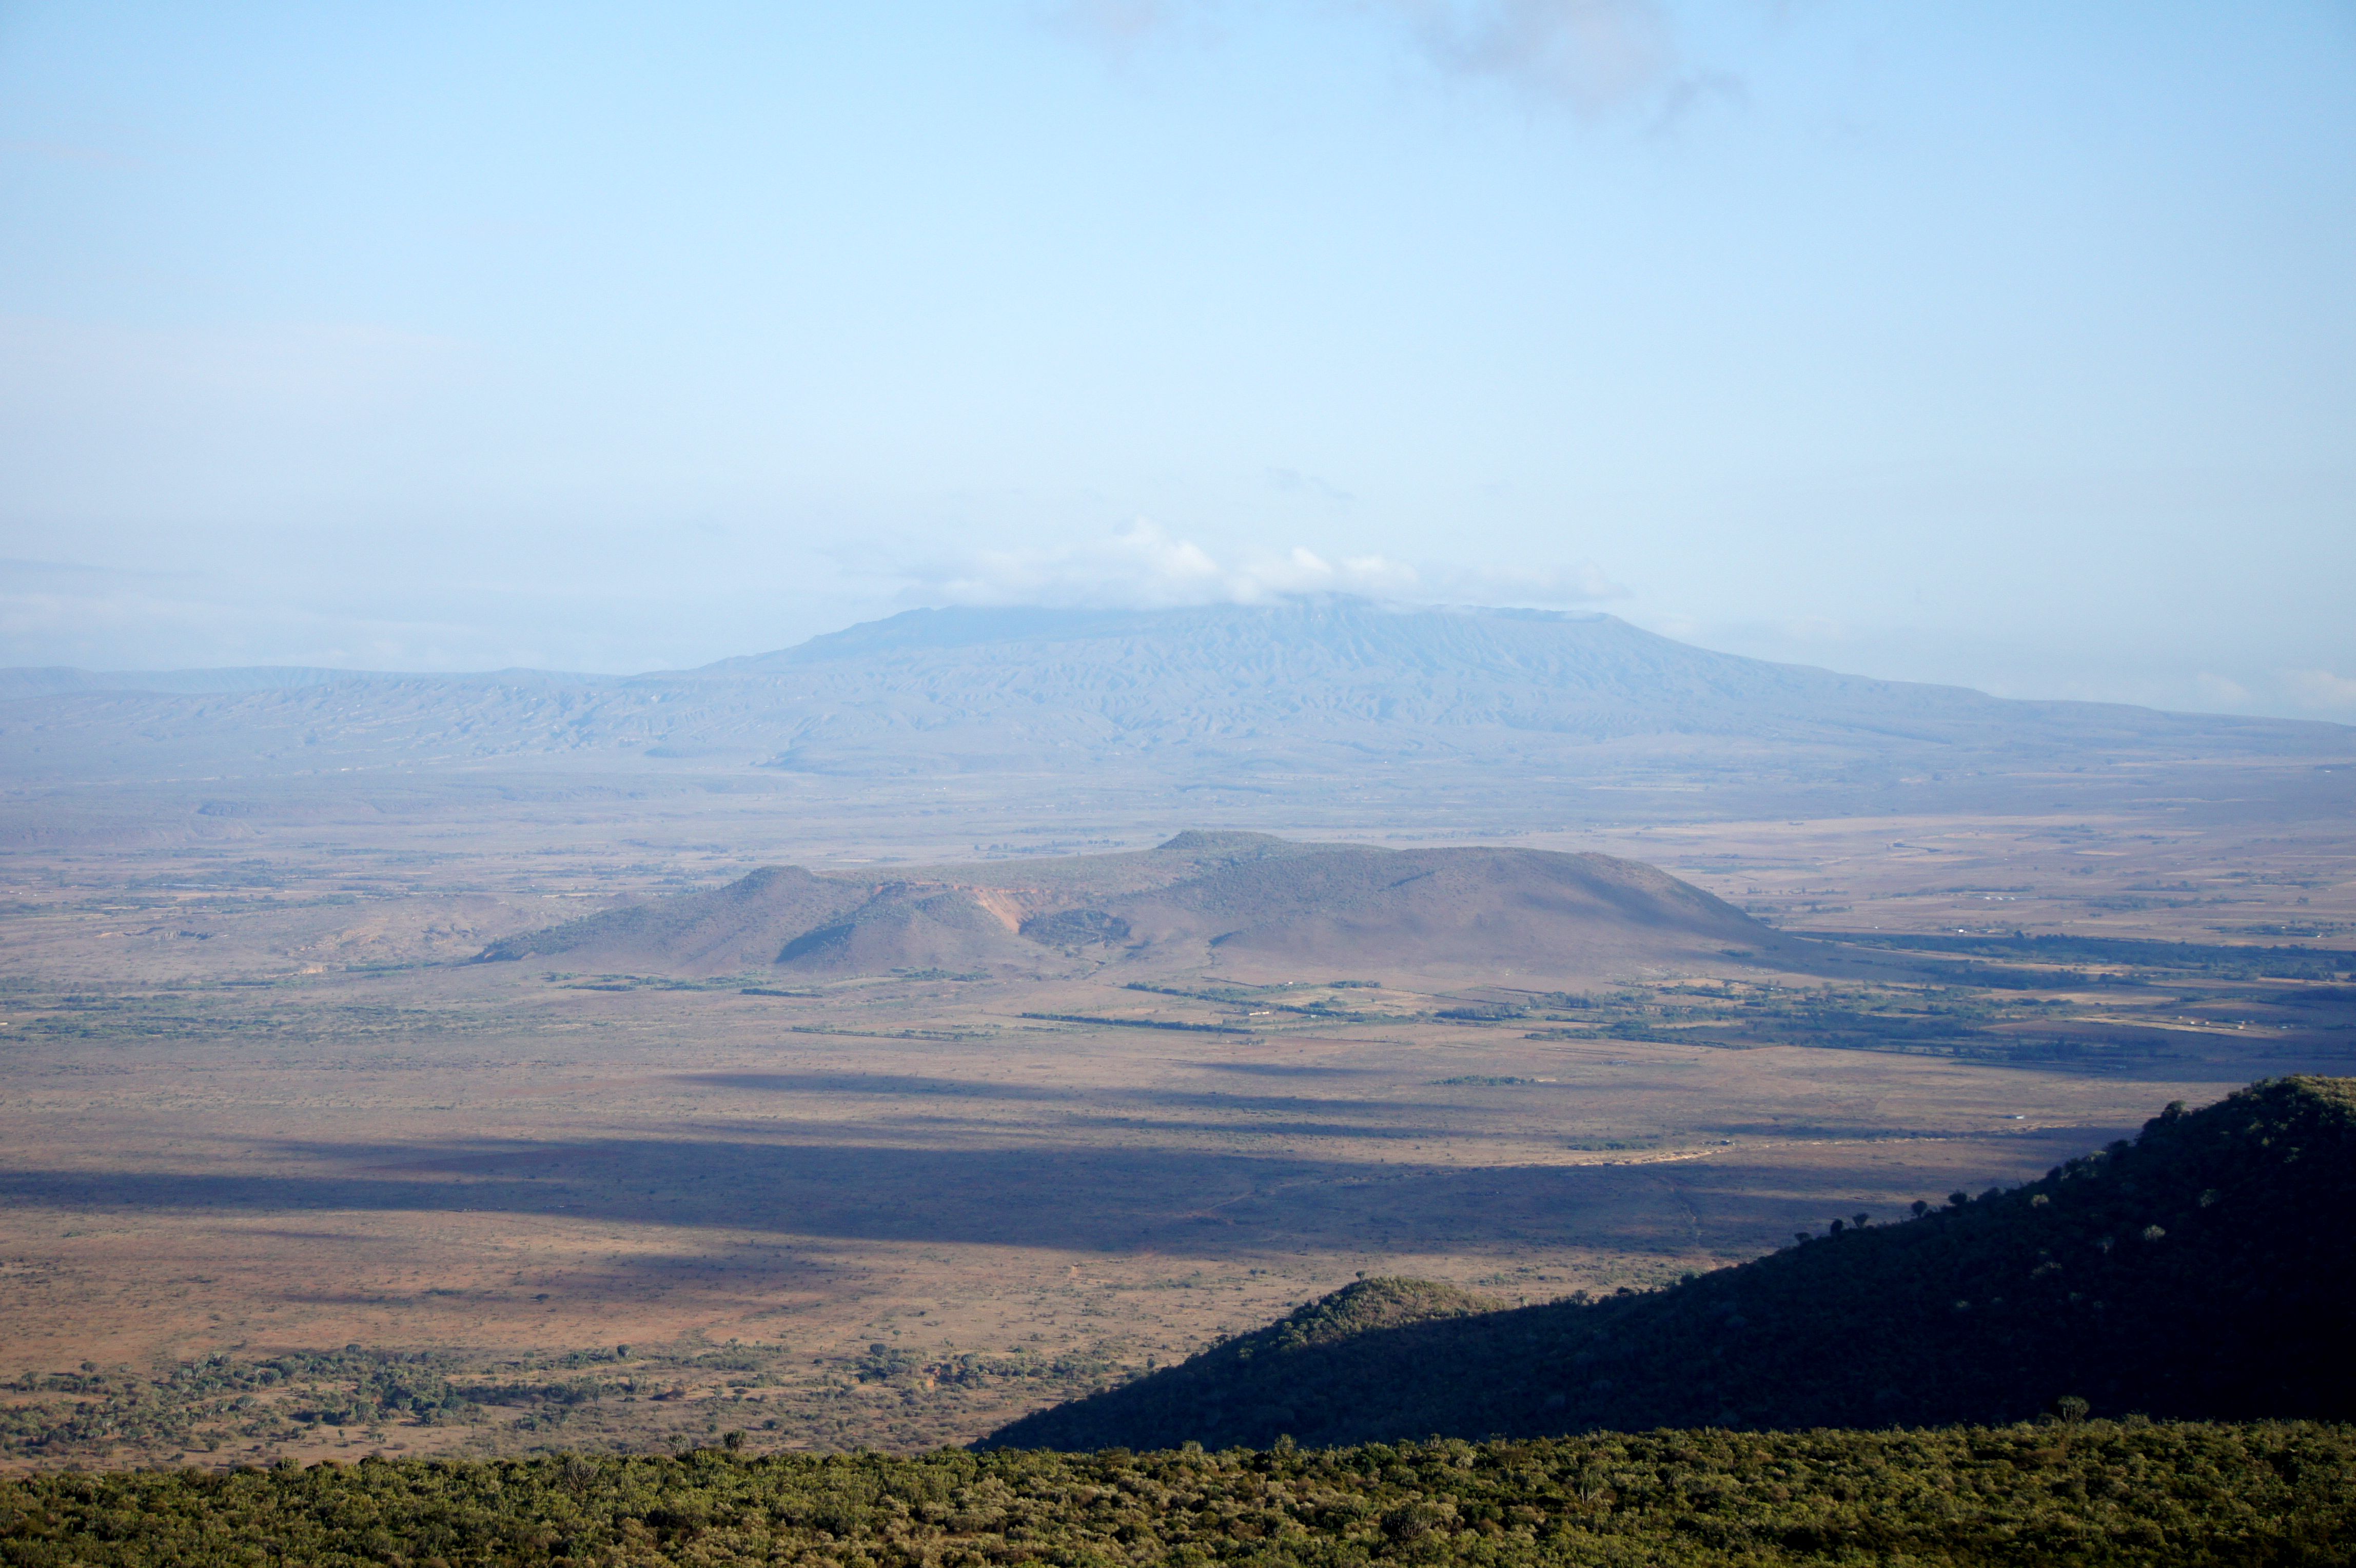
(255,1102)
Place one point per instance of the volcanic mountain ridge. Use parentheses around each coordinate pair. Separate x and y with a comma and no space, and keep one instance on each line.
(1322,688)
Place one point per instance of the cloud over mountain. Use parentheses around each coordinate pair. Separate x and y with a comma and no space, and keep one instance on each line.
(1143,567)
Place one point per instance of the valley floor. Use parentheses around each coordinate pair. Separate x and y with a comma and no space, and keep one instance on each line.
(258,1114)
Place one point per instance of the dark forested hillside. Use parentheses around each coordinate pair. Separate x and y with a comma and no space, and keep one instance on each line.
(2201,1271)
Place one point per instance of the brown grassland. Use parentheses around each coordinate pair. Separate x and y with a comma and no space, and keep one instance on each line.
(253,1101)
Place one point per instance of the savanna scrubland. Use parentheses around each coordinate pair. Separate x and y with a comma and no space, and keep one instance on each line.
(329,1134)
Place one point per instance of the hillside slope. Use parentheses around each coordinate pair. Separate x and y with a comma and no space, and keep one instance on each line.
(1253,904)
(2201,1271)
(1331,686)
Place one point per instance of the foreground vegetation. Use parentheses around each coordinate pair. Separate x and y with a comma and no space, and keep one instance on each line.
(2094,1493)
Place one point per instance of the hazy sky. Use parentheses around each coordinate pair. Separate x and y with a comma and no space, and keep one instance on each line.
(2013,344)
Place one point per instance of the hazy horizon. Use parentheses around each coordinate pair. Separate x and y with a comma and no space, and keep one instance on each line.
(2009,350)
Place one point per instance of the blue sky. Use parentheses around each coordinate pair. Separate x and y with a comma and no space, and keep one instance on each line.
(2009,345)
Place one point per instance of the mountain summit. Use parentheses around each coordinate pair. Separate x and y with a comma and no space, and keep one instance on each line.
(1339,678)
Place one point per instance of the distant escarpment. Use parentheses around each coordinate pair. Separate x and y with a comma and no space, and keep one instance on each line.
(1255,906)
(1301,692)
(2201,1271)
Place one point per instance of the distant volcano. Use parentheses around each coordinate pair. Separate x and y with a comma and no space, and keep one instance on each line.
(1329,687)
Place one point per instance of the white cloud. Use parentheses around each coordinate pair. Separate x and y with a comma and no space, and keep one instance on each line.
(1538,585)
(1142,566)
(1115,21)
(1117,29)
(2321,689)
(2220,691)
(1589,54)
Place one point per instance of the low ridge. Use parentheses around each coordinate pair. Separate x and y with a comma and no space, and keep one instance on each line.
(1255,906)
(2199,1271)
